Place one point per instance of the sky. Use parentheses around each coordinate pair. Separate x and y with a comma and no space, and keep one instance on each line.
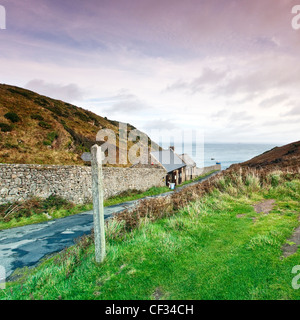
(230,69)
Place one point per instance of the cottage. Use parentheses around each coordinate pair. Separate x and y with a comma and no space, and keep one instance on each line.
(191,166)
(172,163)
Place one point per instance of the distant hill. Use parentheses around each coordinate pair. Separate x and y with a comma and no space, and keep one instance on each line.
(284,157)
(35,129)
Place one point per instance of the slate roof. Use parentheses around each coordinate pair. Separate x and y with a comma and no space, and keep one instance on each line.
(187,160)
(168,159)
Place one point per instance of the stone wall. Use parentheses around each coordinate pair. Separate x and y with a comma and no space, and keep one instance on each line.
(20,181)
(201,171)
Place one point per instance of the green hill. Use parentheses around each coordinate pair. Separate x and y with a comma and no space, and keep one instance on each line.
(38,129)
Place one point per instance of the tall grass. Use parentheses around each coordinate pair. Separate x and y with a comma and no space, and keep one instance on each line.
(242,183)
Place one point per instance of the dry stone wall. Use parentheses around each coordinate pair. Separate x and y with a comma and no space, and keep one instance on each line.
(20,181)
(201,171)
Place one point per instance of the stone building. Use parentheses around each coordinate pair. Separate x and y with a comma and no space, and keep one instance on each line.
(191,166)
(172,163)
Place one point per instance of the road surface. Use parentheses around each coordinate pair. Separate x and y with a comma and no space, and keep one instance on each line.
(26,246)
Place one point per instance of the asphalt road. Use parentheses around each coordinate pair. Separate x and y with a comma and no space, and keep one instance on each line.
(26,246)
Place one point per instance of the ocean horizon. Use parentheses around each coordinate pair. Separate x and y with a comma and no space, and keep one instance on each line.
(226,153)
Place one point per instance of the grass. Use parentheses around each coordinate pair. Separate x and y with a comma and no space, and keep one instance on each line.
(37,210)
(131,195)
(211,249)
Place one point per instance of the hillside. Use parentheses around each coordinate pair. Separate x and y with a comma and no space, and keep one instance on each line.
(35,129)
(285,157)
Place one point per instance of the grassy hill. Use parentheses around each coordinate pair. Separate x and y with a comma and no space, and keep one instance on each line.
(37,129)
(285,157)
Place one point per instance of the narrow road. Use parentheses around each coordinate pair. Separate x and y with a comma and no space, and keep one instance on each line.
(26,246)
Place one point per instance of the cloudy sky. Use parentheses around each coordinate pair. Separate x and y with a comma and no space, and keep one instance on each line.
(229,68)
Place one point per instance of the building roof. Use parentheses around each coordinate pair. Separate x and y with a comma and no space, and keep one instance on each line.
(187,160)
(168,159)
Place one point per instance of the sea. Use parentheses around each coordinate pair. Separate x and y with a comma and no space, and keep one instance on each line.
(226,153)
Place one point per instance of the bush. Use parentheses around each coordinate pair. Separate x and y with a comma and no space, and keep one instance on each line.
(252,183)
(47,143)
(50,138)
(5,127)
(9,145)
(32,206)
(55,202)
(13,117)
(275,179)
(45,125)
(25,93)
(41,101)
(37,117)
(81,116)
(18,210)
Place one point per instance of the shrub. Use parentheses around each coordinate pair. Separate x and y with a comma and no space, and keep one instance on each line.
(54,107)
(252,182)
(41,101)
(82,143)
(45,125)
(47,143)
(32,206)
(25,93)
(55,202)
(37,117)
(56,110)
(52,136)
(9,145)
(13,117)
(220,183)
(275,178)
(18,210)
(5,127)
(81,116)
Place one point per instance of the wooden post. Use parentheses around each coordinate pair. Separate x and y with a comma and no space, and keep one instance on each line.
(98,210)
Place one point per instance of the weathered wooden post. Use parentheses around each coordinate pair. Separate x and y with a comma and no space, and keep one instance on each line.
(97,185)
(98,209)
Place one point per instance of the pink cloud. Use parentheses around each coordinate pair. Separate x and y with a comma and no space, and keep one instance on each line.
(159,26)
